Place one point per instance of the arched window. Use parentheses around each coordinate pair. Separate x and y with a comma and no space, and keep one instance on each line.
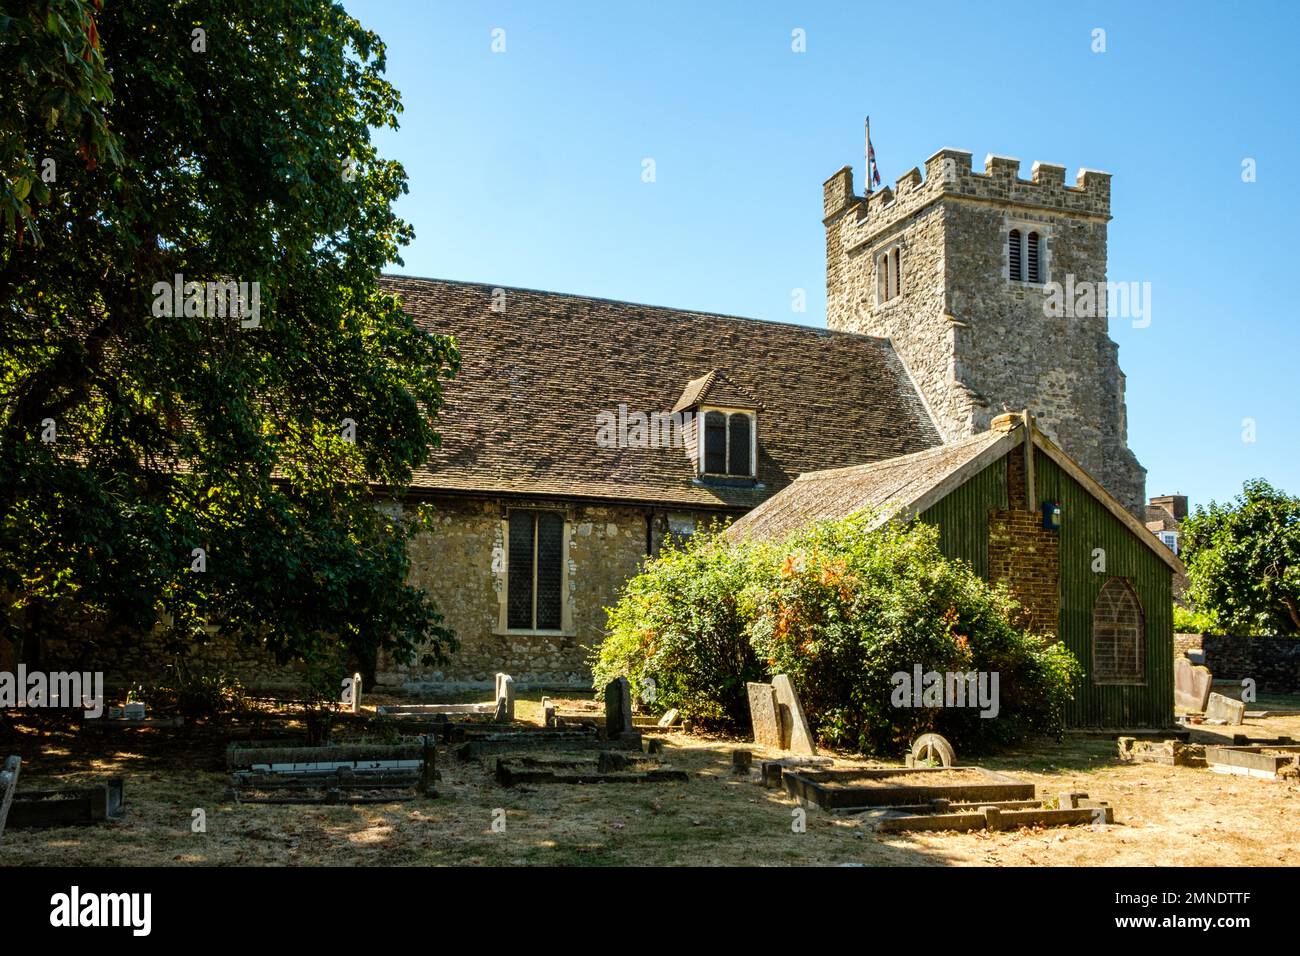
(1015,256)
(715,443)
(739,436)
(1032,257)
(889,275)
(1118,635)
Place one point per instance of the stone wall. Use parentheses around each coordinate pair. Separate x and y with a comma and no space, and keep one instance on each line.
(976,342)
(461,564)
(127,658)
(1273,663)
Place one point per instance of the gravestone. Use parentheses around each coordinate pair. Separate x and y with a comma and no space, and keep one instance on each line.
(1191,684)
(618,708)
(505,685)
(669,718)
(1225,709)
(763,714)
(795,735)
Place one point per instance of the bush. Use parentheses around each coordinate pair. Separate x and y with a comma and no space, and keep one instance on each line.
(678,636)
(1187,621)
(841,609)
(194,692)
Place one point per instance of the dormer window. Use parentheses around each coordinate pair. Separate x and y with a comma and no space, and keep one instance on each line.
(728,443)
(723,425)
(1025,259)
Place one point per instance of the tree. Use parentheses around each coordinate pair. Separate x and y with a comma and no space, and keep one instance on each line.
(1243,560)
(211,458)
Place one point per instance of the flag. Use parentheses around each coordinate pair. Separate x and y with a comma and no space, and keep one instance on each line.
(873,172)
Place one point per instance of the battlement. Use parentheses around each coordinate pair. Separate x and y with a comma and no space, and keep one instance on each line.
(949,172)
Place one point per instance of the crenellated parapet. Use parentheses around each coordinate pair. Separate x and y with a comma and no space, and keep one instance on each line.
(949,174)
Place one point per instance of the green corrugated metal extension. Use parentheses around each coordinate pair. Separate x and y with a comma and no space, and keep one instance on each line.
(963,520)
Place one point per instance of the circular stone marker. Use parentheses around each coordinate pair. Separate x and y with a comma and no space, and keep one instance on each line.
(928,748)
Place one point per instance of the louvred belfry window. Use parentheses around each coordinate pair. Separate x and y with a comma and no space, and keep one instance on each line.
(1033,258)
(1015,256)
(534,592)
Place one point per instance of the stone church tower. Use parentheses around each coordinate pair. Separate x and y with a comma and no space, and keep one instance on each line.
(955,269)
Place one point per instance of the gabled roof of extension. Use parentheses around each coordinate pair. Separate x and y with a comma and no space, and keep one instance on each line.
(902,488)
(899,487)
(521,418)
(715,389)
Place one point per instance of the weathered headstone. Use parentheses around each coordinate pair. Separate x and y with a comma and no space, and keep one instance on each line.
(548,712)
(669,718)
(1231,712)
(763,714)
(1191,684)
(795,734)
(505,685)
(741,761)
(8,784)
(618,708)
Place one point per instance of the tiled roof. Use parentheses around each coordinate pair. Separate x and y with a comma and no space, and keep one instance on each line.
(887,487)
(1159,518)
(715,389)
(521,417)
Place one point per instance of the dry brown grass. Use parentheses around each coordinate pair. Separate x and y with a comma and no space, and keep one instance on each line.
(1165,815)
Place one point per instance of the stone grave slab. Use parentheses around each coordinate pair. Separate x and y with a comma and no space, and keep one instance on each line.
(1230,711)
(764,715)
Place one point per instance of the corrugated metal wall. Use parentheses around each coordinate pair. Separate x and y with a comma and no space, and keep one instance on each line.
(963,520)
(1087,525)
(963,516)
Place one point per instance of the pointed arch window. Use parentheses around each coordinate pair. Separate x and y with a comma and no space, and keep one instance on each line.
(1118,635)
(889,274)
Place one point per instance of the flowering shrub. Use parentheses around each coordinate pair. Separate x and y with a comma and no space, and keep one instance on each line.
(842,610)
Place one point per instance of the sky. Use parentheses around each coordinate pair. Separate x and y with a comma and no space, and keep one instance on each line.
(526,165)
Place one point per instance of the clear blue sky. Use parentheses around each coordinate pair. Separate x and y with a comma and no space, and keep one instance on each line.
(525,167)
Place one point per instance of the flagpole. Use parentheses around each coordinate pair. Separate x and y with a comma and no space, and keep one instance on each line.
(866,150)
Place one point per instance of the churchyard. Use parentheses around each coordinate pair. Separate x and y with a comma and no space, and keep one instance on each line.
(580,806)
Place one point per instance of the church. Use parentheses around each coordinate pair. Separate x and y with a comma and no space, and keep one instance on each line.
(580,431)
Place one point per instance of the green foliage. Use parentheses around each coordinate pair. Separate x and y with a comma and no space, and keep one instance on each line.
(193,692)
(841,609)
(1243,561)
(677,632)
(188,430)
(849,608)
(1190,621)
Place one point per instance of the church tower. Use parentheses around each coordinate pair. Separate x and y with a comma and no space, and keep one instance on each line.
(963,272)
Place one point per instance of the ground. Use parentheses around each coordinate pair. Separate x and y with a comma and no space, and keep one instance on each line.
(1164,815)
